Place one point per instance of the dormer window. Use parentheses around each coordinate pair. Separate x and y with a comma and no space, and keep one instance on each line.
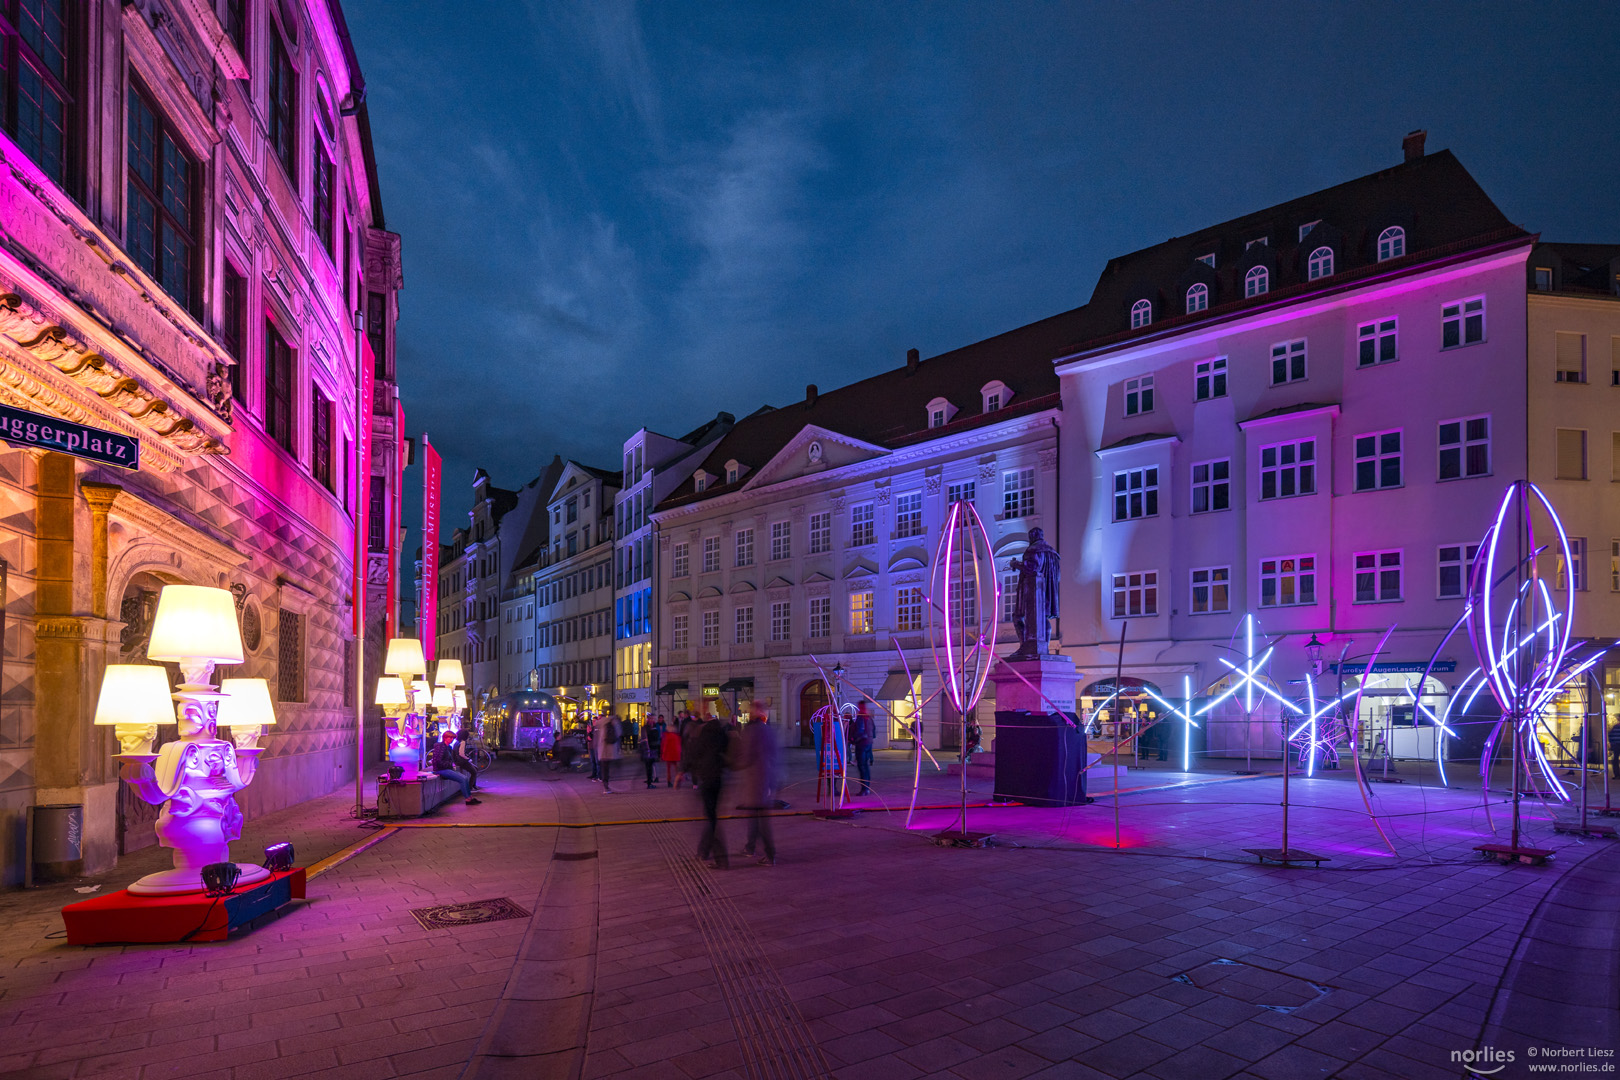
(1544,279)
(1141,314)
(1208,260)
(734,471)
(940,412)
(1321,264)
(700,481)
(1256,281)
(1197,298)
(1391,243)
(995,395)
(1305,229)
(1262,240)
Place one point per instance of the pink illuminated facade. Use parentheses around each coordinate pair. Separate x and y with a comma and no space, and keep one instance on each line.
(1310,413)
(192,255)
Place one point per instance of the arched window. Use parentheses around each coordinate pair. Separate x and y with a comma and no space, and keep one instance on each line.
(1256,281)
(1197,298)
(1141,314)
(1321,264)
(1391,243)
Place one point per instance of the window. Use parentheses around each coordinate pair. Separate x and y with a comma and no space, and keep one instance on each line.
(1456,570)
(1209,379)
(681,636)
(681,563)
(1287,362)
(236,24)
(1208,260)
(1288,581)
(35,106)
(1017,493)
(1320,264)
(860,612)
(1136,493)
(377,331)
(992,402)
(1378,460)
(283,106)
(908,514)
(781,620)
(320,435)
(908,608)
(1009,596)
(1211,486)
(821,532)
(1141,314)
(1198,297)
(1136,593)
(711,629)
(781,540)
(1378,576)
(1465,447)
(745,547)
(711,554)
(1571,463)
(1462,322)
(963,607)
(1288,469)
(1376,343)
(1256,281)
(1571,357)
(278,387)
(233,327)
(1211,590)
(1577,553)
(1259,241)
(732,472)
(1139,395)
(1614,565)
(377,518)
(700,480)
(1544,279)
(962,492)
(290,657)
(162,189)
(820,616)
(1391,243)
(324,181)
(860,524)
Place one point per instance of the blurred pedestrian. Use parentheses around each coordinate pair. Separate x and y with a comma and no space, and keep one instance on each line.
(689,730)
(652,740)
(1614,749)
(862,733)
(758,777)
(608,752)
(592,744)
(707,756)
(669,752)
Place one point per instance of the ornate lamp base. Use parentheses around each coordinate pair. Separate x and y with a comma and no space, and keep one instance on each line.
(189,880)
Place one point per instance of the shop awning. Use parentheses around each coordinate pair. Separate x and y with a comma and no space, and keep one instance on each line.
(731,686)
(1129,685)
(897,687)
(671,687)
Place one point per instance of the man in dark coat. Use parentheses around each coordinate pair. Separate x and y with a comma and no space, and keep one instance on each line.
(707,760)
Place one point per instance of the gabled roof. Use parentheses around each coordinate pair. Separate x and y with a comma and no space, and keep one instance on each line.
(794,459)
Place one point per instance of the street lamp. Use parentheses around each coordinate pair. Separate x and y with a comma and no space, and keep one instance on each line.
(1313,652)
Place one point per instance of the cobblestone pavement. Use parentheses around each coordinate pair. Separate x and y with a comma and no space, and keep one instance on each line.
(868,951)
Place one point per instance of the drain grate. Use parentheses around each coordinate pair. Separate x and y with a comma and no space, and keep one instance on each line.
(469,914)
(1257,986)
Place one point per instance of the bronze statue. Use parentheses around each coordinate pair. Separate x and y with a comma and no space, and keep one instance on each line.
(1038,577)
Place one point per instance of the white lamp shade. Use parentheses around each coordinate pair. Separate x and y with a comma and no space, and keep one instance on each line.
(246,702)
(195,622)
(391,691)
(460,698)
(404,657)
(444,699)
(450,673)
(135,694)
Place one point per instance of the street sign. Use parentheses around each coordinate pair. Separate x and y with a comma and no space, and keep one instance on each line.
(23,428)
(1397,668)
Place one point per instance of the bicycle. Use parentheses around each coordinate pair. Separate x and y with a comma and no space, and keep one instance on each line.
(480,756)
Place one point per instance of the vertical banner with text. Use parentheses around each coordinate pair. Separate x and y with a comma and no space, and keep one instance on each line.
(427,622)
(362,483)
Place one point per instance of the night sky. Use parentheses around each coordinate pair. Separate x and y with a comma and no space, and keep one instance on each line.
(619,215)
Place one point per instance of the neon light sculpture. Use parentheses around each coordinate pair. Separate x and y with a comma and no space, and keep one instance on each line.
(964,640)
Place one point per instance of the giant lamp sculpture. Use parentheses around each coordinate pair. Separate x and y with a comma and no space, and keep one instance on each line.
(195,779)
(134,701)
(405,664)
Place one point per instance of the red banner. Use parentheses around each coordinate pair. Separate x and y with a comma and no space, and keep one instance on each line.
(427,623)
(362,482)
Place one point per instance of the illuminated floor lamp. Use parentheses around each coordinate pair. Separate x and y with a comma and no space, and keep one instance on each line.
(450,678)
(195,779)
(395,703)
(406,661)
(134,701)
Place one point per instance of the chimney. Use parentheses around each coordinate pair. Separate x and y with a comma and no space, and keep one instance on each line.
(913,358)
(1413,144)
(810,395)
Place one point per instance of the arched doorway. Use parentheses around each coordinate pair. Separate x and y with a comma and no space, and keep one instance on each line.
(811,698)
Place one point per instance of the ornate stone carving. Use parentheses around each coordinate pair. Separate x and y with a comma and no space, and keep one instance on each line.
(1048,459)
(383,268)
(932,483)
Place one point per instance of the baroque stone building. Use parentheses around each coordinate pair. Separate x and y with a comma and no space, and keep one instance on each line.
(192,256)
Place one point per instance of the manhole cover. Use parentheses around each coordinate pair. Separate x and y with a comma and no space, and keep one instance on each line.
(1261,987)
(470,914)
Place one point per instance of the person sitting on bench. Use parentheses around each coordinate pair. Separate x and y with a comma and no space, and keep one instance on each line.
(442,760)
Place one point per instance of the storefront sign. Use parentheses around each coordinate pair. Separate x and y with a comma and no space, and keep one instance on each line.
(23,428)
(427,623)
(1392,668)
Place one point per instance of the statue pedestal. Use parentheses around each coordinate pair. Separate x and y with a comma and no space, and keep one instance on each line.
(1040,746)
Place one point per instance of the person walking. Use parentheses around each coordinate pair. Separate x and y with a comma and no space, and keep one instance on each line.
(441,759)
(592,746)
(652,741)
(689,729)
(669,752)
(1614,749)
(608,752)
(862,733)
(758,777)
(707,756)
